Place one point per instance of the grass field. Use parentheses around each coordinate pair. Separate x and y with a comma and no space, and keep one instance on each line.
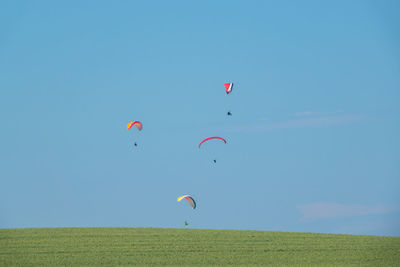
(189,247)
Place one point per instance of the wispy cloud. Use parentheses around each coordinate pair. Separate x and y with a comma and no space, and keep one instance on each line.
(320,121)
(264,124)
(317,113)
(316,211)
(263,119)
(388,227)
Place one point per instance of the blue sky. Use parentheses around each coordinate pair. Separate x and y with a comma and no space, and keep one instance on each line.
(313,143)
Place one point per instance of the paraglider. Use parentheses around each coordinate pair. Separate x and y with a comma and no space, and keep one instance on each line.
(138,125)
(189,199)
(210,138)
(228,88)
(186,223)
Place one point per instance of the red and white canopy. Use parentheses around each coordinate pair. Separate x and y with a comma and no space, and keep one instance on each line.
(228,87)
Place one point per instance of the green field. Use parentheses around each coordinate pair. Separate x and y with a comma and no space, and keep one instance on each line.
(190,247)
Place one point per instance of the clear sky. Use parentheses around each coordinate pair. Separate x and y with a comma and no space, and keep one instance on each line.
(313,143)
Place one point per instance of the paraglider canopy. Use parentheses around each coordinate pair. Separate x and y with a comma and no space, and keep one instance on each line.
(138,125)
(189,199)
(228,87)
(212,137)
